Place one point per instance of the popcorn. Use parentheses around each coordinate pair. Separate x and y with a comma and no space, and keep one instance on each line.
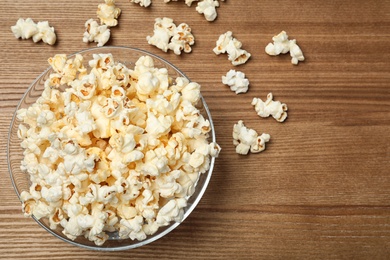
(172,211)
(144,3)
(236,81)
(45,33)
(295,52)
(205,7)
(182,39)
(169,36)
(282,45)
(26,29)
(108,13)
(163,31)
(208,9)
(270,107)
(112,149)
(96,33)
(227,44)
(246,139)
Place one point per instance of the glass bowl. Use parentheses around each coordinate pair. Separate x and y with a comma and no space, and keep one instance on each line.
(20,179)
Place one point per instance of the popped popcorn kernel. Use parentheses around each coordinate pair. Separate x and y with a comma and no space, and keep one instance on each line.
(144,3)
(236,81)
(267,108)
(108,13)
(246,139)
(27,28)
(208,9)
(226,43)
(96,33)
(281,45)
(205,7)
(168,36)
(112,149)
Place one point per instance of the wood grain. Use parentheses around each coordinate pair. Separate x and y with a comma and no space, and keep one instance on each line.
(321,190)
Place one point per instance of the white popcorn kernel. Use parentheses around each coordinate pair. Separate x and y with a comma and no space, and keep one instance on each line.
(215,149)
(167,185)
(106,193)
(41,210)
(295,52)
(208,9)
(52,194)
(282,45)
(132,228)
(222,42)
(196,159)
(182,39)
(45,33)
(157,126)
(270,107)
(28,203)
(236,81)
(71,228)
(163,30)
(126,211)
(227,44)
(147,84)
(172,211)
(57,62)
(56,218)
(26,29)
(246,139)
(259,146)
(96,33)
(108,13)
(191,92)
(144,3)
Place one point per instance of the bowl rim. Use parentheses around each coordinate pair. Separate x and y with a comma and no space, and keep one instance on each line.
(169,228)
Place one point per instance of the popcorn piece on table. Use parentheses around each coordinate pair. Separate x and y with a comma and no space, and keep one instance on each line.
(182,39)
(108,13)
(283,45)
(280,44)
(295,52)
(236,81)
(270,107)
(26,29)
(227,44)
(144,3)
(163,30)
(169,36)
(205,7)
(96,33)
(118,150)
(246,139)
(208,9)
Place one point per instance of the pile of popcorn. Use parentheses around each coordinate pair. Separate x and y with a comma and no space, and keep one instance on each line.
(118,150)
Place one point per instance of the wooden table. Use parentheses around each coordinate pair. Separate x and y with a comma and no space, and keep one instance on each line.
(321,189)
